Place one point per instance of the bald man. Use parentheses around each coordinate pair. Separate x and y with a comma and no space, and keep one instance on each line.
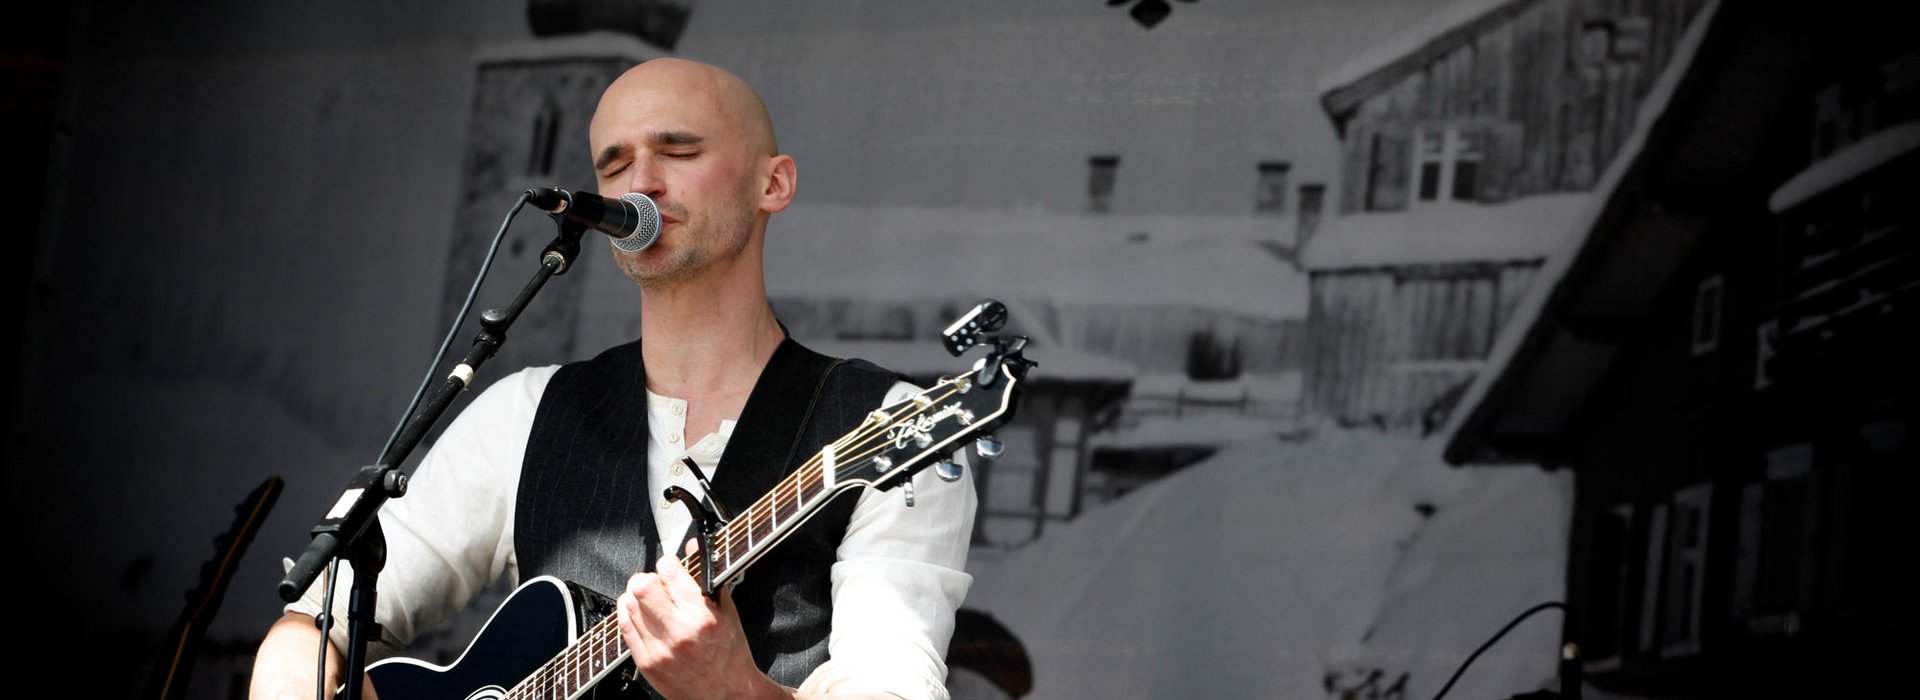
(549,473)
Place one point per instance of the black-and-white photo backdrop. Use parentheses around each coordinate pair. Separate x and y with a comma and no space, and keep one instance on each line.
(1386,348)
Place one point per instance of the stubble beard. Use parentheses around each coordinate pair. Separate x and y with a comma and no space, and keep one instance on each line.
(685,262)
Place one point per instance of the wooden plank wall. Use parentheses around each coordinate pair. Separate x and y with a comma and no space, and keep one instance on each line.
(1386,343)
(1552,112)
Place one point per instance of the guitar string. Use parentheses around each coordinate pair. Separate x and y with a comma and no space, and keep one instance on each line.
(605,633)
(814,466)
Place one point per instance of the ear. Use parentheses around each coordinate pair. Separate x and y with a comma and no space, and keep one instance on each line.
(780,181)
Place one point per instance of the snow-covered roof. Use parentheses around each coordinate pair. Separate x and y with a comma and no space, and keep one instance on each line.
(1525,228)
(1877,149)
(1200,261)
(1162,432)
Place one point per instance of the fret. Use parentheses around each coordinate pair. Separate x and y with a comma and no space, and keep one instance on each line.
(749,527)
(827,466)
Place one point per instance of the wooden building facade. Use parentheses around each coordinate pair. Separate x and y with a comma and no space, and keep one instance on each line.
(1509,103)
(1729,366)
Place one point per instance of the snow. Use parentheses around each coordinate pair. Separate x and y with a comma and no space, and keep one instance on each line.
(1275,566)
(1525,228)
(1862,157)
(1216,262)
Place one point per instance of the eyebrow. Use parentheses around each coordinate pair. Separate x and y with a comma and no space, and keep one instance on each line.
(675,138)
(608,154)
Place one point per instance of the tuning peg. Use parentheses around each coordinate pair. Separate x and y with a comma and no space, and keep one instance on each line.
(948,470)
(909,491)
(989,447)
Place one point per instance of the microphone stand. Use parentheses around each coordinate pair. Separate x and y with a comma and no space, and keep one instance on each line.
(350,528)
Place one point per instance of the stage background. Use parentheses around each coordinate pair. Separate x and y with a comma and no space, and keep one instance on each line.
(255,220)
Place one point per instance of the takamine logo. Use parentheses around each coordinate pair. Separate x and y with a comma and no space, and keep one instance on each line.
(919,429)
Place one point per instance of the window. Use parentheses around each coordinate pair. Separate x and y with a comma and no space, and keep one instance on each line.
(1387,173)
(1607,616)
(546,132)
(1685,585)
(1596,41)
(1652,575)
(1448,165)
(1765,335)
(1706,315)
(1775,567)
(1312,198)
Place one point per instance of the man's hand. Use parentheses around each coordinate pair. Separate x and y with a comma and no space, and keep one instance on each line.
(686,644)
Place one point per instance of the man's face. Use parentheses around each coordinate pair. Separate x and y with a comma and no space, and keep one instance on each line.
(673,135)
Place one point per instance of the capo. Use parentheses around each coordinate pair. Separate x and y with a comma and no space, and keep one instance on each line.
(708,517)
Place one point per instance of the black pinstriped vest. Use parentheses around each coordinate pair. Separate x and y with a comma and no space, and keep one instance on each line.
(585,510)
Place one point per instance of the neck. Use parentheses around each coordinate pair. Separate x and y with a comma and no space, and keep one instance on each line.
(708,336)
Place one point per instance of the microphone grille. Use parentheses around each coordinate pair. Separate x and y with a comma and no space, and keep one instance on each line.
(648,229)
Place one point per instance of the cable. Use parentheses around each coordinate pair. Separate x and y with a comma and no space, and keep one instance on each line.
(333,567)
(461,318)
(1490,642)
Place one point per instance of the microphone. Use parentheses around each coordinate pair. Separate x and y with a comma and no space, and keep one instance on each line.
(633,220)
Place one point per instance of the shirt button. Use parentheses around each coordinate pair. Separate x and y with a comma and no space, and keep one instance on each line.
(673,437)
(676,409)
(677,469)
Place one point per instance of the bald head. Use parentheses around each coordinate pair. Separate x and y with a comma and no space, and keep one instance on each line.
(697,140)
(723,96)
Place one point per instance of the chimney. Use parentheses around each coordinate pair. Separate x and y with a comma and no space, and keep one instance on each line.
(1270,192)
(1100,175)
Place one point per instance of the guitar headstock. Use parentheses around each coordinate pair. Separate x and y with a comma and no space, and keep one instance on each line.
(900,439)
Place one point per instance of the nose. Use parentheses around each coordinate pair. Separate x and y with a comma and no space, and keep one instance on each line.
(644,177)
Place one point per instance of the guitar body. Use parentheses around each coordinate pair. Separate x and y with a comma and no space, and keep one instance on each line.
(537,622)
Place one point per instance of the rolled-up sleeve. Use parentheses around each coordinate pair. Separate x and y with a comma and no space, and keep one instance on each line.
(899,578)
(451,536)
